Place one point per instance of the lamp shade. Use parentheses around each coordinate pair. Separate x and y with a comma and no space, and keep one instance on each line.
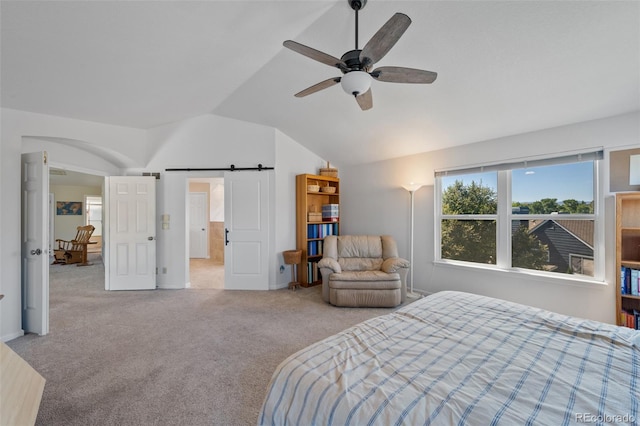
(356,82)
(412,186)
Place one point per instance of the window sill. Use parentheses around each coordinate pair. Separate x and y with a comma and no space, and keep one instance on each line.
(547,277)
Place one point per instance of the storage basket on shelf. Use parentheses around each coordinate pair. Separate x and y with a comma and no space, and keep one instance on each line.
(313,186)
(326,188)
(314,215)
(328,171)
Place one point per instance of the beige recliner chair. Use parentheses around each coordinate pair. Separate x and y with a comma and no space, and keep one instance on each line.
(363,271)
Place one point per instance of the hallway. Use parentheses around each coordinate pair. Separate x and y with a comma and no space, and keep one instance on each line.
(206,273)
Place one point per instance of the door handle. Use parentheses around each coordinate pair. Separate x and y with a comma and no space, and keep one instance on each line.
(36,252)
(226,236)
(150,238)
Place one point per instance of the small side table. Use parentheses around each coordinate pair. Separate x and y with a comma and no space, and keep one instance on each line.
(293,258)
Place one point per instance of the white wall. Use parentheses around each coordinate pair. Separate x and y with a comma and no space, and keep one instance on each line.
(65,226)
(205,141)
(374,202)
(18,126)
(291,159)
(217,142)
(216,200)
(202,142)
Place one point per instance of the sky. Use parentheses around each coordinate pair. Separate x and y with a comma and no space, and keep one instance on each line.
(563,182)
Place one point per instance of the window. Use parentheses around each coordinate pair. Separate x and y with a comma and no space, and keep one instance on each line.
(535,215)
(94,213)
(469,217)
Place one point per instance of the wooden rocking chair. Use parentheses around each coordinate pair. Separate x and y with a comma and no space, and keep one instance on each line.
(74,251)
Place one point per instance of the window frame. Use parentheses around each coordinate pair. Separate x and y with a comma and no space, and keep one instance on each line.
(504,217)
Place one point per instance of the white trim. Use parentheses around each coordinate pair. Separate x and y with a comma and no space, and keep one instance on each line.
(581,280)
(503,227)
(565,157)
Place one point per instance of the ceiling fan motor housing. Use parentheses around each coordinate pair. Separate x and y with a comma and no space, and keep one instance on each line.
(352,59)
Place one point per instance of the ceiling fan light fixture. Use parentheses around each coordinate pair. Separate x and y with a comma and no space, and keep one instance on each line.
(356,82)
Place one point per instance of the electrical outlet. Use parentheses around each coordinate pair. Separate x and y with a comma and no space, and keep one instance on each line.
(282,269)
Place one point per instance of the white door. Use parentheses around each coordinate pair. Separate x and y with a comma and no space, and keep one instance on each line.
(131,234)
(246,220)
(198,225)
(35,243)
(52,228)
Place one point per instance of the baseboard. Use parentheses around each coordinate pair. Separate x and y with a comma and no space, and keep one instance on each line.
(278,286)
(173,287)
(12,336)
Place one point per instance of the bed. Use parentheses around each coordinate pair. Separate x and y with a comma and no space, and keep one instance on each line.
(458,358)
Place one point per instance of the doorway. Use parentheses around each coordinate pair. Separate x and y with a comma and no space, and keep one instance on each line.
(93,216)
(69,185)
(206,233)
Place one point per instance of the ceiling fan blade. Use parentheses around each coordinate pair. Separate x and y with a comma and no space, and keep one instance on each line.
(365,100)
(384,39)
(315,54)
(403,75)
(317,87)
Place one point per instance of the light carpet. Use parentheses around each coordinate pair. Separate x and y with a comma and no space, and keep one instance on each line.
(168,357)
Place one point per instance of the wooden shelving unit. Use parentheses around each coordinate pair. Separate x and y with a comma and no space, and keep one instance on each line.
(311,231)
(627,248)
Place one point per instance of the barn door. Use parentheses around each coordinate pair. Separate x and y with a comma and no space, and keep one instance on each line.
(246,219)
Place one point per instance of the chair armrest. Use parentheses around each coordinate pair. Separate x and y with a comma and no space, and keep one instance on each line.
(331,264)
(393,264)
(327,267)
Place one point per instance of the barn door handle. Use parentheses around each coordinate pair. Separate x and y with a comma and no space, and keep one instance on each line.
(226,236)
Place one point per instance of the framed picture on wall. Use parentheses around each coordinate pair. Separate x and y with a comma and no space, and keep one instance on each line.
(64,208)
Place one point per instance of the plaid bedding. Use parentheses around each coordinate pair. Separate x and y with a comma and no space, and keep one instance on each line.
(458,358)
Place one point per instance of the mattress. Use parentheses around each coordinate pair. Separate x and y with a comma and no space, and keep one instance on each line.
(458,358)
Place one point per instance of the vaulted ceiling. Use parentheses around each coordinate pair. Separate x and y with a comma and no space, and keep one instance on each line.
(504,67)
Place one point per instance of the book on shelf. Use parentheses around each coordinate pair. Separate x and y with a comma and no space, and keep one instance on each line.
(321,230)
(313,272)
(630,281)
(314,248)
(630,319)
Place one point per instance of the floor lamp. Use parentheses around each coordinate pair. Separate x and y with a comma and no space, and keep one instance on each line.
(412,188)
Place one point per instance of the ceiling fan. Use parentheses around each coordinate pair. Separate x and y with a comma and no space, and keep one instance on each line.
(356,64)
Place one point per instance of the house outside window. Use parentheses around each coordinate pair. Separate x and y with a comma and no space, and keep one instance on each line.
(537,215)
(582,264)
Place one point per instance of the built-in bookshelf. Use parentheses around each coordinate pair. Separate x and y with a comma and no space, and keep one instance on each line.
(628,259)
(317,215)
